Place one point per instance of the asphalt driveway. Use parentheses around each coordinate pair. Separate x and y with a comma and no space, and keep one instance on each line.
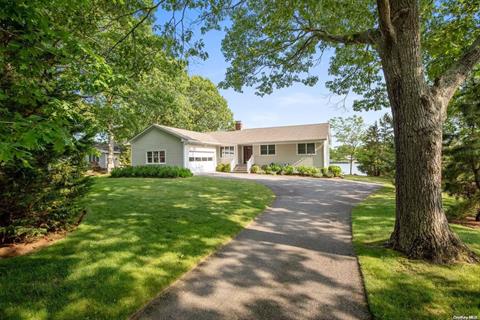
(295,261)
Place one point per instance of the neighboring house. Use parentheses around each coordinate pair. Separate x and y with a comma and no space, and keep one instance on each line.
(100,160)
(306,145)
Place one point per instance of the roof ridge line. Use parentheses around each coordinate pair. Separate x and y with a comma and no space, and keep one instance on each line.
(286,126)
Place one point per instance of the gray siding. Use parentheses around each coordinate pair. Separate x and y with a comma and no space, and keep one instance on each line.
(155,139)
(287,153)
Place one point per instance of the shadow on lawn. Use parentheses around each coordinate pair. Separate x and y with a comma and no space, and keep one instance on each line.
(400,288)
(139,236)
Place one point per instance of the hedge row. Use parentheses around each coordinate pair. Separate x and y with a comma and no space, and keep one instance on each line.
(153,171)
(274,168)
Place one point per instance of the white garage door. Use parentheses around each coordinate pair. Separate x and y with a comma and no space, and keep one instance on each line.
(201,161)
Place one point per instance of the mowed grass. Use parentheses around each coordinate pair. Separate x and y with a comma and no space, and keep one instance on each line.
(399,288)
(380,180)
(138,237)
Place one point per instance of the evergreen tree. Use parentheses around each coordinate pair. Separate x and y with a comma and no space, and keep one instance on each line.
(376,157)
(462,149)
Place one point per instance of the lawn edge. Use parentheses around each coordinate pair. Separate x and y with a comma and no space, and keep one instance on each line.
(357,258)
(136,315)
(382,186)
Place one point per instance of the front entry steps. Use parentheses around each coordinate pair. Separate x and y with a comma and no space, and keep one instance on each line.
(240,168)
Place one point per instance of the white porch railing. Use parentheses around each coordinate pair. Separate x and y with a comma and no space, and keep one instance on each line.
(233,163)
(250,163)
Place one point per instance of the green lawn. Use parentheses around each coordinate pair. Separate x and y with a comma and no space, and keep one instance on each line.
(399,288)
(138,237)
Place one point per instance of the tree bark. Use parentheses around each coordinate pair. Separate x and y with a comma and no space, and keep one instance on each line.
(111,150)
(421,229)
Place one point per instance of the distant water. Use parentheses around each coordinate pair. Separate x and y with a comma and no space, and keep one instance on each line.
(346,168)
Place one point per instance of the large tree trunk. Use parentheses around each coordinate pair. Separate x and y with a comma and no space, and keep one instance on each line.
(111,151)
(421,228)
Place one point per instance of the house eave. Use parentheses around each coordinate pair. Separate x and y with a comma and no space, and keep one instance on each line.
(198,142)
(175,134)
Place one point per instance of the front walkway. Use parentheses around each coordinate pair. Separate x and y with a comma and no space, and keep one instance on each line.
(295,261)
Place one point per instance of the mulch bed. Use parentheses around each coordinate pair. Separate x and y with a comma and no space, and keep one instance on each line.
(19,249)
(468,222)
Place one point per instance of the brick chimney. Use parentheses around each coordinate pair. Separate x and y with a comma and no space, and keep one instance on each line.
(238,125)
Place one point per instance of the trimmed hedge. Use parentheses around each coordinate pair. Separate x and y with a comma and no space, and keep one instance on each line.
(289,170)
(255,169)
(153,171)
(308,171)
(223,167)
(275,168)
(335,170)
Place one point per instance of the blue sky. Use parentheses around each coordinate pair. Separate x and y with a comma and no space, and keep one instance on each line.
(298,104)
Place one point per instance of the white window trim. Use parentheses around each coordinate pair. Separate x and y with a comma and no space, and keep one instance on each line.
(229,156)
(266,144)
(153,163)
(307,154)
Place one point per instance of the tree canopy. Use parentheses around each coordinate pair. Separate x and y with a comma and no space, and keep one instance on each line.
(72,70)
(271,46)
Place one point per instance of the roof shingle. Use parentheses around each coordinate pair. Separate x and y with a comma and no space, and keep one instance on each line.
(305,132)
(319,131)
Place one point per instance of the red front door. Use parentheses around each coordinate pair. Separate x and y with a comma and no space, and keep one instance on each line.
(247,153)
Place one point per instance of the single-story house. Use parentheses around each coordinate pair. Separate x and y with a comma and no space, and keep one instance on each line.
(297,145)
(99,160)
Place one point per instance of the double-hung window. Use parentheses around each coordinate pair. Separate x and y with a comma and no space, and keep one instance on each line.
(306,148)
(227,152)
(267,149)
(155,157)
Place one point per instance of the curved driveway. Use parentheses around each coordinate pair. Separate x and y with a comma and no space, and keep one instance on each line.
(295,261)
